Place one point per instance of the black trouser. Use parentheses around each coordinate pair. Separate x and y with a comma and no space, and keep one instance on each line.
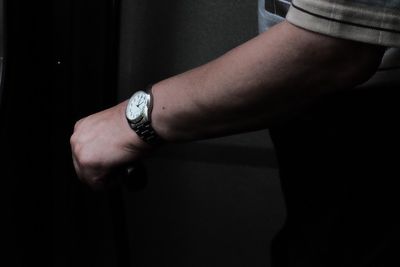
(339,172)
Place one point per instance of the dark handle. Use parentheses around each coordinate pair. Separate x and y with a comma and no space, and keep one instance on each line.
(135,178)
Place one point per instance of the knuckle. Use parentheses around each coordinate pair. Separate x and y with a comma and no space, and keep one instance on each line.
(76,147)
(93,180)
(76,126)
(73,140)
(85,159)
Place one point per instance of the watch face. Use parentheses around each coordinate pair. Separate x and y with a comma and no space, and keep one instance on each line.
(136,106)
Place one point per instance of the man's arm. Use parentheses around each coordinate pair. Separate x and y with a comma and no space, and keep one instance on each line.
(259,82)
(248,88)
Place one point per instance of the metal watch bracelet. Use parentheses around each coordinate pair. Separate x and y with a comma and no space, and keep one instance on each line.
(145,131)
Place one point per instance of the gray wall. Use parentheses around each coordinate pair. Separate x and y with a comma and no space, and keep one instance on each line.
(209,203)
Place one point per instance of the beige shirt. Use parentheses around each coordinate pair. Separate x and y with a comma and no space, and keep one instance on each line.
(369,21)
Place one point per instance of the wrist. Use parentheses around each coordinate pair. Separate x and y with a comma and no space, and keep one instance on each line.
(173,110)
(162,113)
(138,112)
(135,142)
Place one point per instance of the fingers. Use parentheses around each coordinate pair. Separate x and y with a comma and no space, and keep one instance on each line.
(101,145)
(86,172)
(76,166)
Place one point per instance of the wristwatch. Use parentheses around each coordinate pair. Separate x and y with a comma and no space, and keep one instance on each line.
(138,114)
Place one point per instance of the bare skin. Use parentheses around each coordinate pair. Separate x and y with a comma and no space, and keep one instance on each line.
(250,87)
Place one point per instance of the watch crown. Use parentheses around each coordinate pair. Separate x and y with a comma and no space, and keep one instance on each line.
(138,114)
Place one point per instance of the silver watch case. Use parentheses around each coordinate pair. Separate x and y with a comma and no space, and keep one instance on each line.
(139,108)
(138,114)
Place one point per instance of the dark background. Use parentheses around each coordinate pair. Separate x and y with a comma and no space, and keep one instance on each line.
(210,203)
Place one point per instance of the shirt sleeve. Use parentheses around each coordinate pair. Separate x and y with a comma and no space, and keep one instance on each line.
(369,21)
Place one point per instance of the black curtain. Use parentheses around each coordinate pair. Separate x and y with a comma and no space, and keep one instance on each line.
(61,66)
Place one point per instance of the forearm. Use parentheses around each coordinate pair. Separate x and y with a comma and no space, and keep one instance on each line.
(248,88)
(257,83)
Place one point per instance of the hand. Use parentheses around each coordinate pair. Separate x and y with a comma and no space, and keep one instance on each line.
(102,143)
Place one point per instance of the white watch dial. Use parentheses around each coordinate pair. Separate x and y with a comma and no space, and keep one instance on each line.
(136,106)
